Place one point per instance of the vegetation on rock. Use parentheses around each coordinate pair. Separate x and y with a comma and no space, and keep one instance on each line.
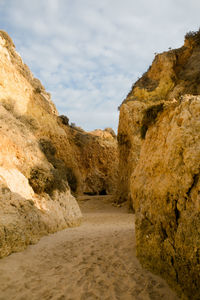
(149,117)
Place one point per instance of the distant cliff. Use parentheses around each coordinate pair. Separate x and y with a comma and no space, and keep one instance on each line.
(159,148)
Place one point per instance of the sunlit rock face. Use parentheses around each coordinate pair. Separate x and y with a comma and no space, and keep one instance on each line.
(35,197)
(159,147)
(43,159)
(84,158)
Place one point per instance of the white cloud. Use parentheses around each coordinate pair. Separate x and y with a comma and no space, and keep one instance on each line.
(88,53)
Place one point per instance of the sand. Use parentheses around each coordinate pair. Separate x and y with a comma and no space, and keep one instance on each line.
(94,261)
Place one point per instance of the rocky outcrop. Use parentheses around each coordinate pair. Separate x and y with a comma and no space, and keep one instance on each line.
(165,189)
(171,75)
(35,197)
(43,160)
(159,146)
(96,156)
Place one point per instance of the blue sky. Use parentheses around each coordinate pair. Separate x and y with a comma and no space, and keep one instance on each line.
(88,53)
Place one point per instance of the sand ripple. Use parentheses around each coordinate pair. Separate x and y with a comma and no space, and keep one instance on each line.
(94,261)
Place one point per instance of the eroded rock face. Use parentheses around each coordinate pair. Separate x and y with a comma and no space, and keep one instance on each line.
(165,189)
(159,146)
(171,75)
(27,214)
(97,156)
(43,160)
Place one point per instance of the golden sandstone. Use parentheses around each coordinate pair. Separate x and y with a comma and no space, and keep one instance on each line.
(159,163)
(45,162)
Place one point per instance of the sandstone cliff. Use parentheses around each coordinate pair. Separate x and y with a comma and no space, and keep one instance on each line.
(35,197)
(43,160)
(96,156)
(159,146)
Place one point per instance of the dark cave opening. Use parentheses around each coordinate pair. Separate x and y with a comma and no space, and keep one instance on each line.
(90,193)
(103,192)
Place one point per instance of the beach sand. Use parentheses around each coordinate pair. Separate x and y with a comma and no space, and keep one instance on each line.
(94,261)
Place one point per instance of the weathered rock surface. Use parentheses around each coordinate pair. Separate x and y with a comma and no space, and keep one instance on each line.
(171,75)
(42,159)
(35,198)
(159,144)
(97,157)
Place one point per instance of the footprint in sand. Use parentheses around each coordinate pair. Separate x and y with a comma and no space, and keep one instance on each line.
(93,261)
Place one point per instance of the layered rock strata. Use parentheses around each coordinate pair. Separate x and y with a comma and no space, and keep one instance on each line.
(159,146)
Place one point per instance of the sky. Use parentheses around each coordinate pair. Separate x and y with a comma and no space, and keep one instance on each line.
(88,53)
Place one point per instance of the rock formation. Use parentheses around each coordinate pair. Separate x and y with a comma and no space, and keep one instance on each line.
(43,160)
(159,146)
(96,156)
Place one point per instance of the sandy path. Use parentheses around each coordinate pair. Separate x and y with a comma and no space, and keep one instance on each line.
(94,261)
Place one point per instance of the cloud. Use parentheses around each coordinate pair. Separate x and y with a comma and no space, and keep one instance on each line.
(88,53)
